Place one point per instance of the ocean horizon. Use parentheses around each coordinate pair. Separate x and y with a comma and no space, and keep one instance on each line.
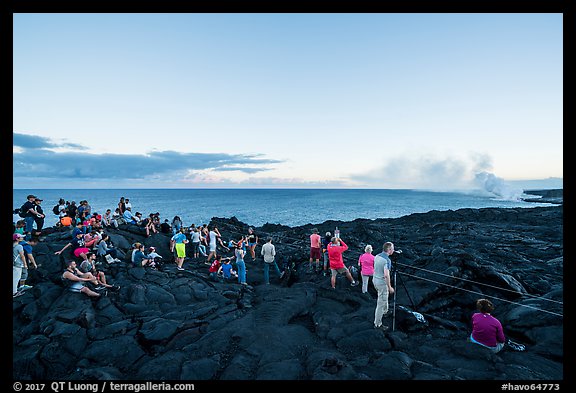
(258,206)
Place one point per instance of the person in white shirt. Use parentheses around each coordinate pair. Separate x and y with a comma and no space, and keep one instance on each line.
(269,252)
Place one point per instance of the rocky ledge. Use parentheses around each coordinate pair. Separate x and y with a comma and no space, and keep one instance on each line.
(179,325)
(555,196)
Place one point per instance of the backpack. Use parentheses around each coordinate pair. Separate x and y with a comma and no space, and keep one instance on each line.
(22,212)
(56,209)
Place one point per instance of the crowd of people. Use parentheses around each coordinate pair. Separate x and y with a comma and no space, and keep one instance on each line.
(90,241)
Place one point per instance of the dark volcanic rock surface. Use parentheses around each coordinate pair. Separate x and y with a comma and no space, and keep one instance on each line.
(179,325)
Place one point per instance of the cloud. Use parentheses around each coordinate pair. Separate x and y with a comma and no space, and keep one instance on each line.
(425,172)
(31,142)
(38,161)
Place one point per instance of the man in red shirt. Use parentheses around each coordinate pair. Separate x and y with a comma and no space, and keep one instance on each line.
(315,249)
(335,250)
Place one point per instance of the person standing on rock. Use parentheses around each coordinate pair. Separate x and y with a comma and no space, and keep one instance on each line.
(239,253)
(19,262)
(325,242)
(335,251)
(252,239)
(487,330)
(366,263)
(315,250)
(178,243)
(381,281)
(269,252)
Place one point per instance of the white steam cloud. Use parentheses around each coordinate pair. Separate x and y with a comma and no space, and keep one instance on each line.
(440,174)
(497,186)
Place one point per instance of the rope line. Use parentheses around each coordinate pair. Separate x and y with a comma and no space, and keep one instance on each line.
(484,295)
(479,283)
(452,277)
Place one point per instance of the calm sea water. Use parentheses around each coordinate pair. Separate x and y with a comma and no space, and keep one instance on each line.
(279,206)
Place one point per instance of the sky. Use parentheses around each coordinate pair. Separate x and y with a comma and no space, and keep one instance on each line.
(343,100)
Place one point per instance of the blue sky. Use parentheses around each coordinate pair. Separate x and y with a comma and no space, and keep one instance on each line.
(286,100)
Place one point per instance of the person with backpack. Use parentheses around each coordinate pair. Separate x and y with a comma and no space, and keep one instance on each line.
(59,209)
(28,213)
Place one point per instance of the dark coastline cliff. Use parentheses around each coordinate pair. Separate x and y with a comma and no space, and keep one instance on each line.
(179,325)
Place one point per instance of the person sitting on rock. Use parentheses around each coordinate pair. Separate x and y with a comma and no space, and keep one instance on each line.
(104,249)
(78,246)
(89,266)
(108,220)
(148,224)
(165,227)
(66,221)
(19,228)
(487,330)
(74,280)
(91,239)
(141,259)
(128,216)
(157,258)
(215,268)
(226,270)
(153,254)
(118,217)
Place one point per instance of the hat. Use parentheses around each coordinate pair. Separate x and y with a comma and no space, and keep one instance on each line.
(76,231)
(31,196)
(17,236)
(151,248)
(38,199)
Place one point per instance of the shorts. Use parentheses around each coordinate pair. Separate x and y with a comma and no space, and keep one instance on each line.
(340,270)
(315,253)
(24,275)
(180,250)
(251,244)
(76,286)
(81,250)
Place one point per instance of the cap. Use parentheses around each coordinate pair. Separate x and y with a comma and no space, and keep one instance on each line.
(17,236)
(38,199)
(76,231)
(152,248)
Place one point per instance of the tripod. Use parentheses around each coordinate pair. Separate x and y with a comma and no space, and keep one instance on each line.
(395,270)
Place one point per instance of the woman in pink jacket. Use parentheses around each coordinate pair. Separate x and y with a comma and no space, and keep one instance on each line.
(366,261)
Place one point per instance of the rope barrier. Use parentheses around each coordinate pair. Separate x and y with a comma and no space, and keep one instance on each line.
(479,283)
(452,277)
(482,294)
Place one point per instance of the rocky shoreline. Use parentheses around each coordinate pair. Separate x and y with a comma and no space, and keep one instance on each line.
(179,325)
(555,196)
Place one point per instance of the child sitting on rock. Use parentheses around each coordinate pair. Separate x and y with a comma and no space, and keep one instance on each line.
(226,270)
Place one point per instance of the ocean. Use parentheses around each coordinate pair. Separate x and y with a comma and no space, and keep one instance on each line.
(292,207)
